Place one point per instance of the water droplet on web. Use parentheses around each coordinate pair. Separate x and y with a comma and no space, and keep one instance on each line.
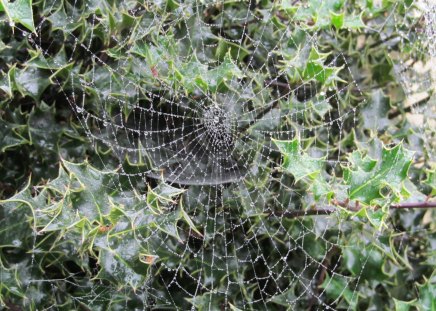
(163,127)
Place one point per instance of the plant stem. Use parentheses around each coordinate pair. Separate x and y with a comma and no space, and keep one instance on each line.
(302,213)
(398,112)
(332,209)
(426,204)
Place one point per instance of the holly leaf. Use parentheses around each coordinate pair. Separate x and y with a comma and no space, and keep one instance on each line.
(20,11)
(431,181)
(375,114)
(320,14)
(403,305)
(302,166)
(161,196)
(31,81)
(299,164)
(338,289)
(427,292)
(368,179)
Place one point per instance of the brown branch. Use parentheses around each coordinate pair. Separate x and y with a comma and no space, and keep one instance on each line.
(375,44)
(398,112)
(302,213)
(426,204)
(279,84)
(332,209)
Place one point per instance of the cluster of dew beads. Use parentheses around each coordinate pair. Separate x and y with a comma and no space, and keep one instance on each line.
(219,130)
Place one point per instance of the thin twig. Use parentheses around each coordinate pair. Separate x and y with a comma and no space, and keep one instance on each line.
(302,213)
(375,44)
(279,84)
(398,112)
(426,204)
(332,209)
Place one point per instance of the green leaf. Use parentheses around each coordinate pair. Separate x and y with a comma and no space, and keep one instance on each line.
(321,106)
(20,11)
(196,75)
(353,22)
(403,305)
(338,288)
(16,227)
(189,221)
(299,164)
(375,114)
(321,188)
(364,260)
(314,68)
(427,294)
(207,299)
(321,14)
(161,196)
(337,20)
(11,135)
(285,298)
(92,201)
(377,217)
(31,81)
(367,178)
(118,262)
(58,18)
(431,181)
(6,85)
(304,167)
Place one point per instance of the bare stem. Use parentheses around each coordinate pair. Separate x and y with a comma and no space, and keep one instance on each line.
(426,204)
(332,209)
(302,213)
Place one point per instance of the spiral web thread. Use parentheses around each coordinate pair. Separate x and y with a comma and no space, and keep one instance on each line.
(217,146)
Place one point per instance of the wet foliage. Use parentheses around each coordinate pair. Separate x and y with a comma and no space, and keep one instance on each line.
(318,214)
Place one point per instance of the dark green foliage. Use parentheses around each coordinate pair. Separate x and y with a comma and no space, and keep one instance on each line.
(76,232)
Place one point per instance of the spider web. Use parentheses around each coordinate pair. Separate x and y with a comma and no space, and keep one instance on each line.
(415,70)
(188,102)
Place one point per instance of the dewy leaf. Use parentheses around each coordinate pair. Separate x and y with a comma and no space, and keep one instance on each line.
(20,11)
(303,166)
(315,68)
(319,14)
(338,288)
(321,106)
(431,181)
(375,115)
(189,221)
(118,261)
(93,201)
(10,135)
(296,162)
(403,305)
(367,181)
(160,196)
(31,81)
(6,85)
(337,20)
(427,294)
